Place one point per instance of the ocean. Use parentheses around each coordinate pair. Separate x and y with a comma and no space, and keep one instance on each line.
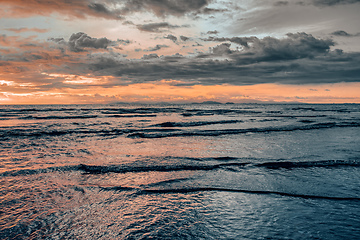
(192,171)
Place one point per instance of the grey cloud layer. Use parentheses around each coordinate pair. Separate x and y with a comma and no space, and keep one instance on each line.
(298,59)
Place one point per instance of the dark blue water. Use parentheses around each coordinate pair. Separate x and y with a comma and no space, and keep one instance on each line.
(237,171)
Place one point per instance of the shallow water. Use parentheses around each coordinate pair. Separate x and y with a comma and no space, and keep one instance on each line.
(195,171)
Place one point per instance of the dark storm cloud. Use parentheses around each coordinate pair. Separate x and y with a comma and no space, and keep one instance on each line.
(158,27)
(342,33)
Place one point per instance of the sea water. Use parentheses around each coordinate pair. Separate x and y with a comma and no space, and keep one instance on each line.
(196,171)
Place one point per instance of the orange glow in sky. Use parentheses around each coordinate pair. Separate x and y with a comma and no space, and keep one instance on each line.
(164,91)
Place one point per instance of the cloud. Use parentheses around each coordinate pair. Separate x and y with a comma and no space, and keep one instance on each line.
(342,33)
(295,46)
(194,71)
(79,8)
(281,3)
(163,8)
(222,49)
(326,3)
(158,27)
(79,42)
(333,2)
(112,9)
(212,32)
(171,37)
(156,48)
(298,59)
(150,56)
(184,38)
(20,30)
(207,10)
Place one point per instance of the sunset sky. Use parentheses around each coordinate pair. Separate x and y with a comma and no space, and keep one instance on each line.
(88,51)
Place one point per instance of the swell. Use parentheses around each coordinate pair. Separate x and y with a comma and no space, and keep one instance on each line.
(25,172)
(167,129)
(242,131)
(99,169)
(146,191)
(92,169)
(341,110)
(7,133)
(194,124)
(40,133)
(59,117)
(263,192)
(327,163)
(96,169)
(141,110)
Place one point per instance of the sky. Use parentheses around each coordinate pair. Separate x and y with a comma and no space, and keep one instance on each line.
(179,51)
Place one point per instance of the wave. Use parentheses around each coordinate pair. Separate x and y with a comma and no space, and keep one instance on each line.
(327,163)
(6,134)
(146,191)
(242,131)
(205,112)
(96,169)
(60,117)
(321,110)
(212,189)
(39,109)
(139,110)
(93,169)
(132,115)
(194,124)
(100,169)
(25,172)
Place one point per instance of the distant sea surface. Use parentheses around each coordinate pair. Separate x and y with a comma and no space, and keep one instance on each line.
(196,171)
